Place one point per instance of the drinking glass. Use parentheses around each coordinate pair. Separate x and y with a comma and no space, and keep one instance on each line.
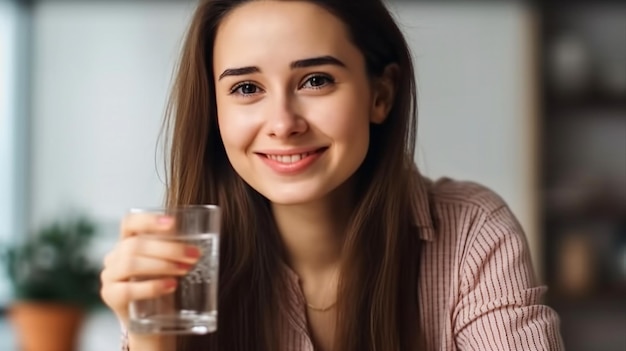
(192,307)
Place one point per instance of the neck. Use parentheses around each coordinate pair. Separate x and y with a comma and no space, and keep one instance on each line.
(313,233)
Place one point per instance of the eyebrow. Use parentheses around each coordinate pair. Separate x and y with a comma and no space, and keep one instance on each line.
(309,62)
(317,61)
(239,71)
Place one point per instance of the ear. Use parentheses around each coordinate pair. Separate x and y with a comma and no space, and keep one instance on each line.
(384,92)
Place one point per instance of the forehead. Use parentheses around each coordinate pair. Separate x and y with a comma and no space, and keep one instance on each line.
(279,31)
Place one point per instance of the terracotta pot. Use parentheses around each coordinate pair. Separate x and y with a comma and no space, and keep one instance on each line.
(46,326)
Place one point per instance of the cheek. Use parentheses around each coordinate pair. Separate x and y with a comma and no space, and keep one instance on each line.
(345,118)
(238,127)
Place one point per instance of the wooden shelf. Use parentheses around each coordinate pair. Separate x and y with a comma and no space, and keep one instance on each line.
(583,205)
(587,102)
(588,205)
(587,214)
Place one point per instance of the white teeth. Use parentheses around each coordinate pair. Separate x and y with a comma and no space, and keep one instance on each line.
(288,158)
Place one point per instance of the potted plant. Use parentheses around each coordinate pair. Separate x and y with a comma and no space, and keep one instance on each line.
(54,284)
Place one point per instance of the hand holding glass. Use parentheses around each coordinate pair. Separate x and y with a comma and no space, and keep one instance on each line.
(192,307)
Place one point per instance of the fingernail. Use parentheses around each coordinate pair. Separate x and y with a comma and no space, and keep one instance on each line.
(169,284)
(192,251)
(165,220)
(184,266)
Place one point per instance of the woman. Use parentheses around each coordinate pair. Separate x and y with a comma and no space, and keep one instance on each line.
(298,119)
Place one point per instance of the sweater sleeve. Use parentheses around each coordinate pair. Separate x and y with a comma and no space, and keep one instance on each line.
(499,307)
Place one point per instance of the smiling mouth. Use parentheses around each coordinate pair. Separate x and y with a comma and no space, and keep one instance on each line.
(293,158)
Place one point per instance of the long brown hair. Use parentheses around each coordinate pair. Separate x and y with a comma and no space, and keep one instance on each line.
(377,296)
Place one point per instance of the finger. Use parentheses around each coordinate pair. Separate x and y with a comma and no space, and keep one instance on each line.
(148,246)
(146,223)
(141,266)
(119,295)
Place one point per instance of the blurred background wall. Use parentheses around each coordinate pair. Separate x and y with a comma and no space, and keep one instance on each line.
(84,86)
(13,125)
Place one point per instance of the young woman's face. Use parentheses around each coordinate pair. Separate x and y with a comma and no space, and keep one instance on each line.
(293,99)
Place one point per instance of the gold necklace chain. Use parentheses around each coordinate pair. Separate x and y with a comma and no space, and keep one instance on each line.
(329,307)
(321,309)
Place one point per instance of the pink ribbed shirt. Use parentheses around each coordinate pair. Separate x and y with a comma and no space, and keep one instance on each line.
(477,289)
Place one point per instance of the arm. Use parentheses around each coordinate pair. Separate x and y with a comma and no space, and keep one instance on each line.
(499,305)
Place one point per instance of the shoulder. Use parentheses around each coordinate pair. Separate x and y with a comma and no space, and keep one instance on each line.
(448,207)
(459,212)
(470,221)
(473,232)
(447,193)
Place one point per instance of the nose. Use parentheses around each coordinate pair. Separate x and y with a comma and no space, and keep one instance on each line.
(284,121)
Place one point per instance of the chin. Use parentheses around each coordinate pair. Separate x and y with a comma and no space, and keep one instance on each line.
(289,200)
(291,197)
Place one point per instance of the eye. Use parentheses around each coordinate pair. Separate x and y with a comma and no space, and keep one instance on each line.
(245,89)
(317,81)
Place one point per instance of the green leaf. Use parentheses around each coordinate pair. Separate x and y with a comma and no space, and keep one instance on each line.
(52,265)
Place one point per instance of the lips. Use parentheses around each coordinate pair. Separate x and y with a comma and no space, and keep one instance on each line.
(290,162)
